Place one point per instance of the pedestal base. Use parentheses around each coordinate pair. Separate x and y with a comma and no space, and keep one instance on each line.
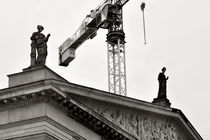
(162,102)
(34,74)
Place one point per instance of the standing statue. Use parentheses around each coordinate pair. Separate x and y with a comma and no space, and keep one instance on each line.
(162,84)
(39,46)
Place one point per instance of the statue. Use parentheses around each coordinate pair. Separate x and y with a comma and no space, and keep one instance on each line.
(39,46)
(162,84)
(162,98)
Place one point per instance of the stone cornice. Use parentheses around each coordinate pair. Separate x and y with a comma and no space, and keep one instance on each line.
(112,98)
(74,109)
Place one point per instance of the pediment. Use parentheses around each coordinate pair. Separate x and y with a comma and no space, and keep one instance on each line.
(143,120)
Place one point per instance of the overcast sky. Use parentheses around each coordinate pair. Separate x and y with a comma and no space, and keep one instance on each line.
(178,37)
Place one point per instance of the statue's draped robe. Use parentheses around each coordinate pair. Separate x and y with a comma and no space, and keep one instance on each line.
(162,86)
(40,41)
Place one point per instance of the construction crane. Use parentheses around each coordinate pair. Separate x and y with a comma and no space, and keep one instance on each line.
(108,15)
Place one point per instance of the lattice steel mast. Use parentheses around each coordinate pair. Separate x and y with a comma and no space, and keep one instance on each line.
(116,54)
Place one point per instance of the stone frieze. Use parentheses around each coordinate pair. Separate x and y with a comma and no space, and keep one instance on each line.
(141,126)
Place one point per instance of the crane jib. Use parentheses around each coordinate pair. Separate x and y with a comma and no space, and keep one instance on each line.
(88,29)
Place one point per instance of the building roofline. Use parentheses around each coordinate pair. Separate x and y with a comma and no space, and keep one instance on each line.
(67,87)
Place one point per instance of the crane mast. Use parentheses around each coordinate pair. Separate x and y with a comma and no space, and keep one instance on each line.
(116,54)
(108,15)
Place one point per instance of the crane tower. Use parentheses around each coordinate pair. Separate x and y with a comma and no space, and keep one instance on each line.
(108,15)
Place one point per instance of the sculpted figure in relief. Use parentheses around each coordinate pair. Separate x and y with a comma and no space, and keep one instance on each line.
(142,127)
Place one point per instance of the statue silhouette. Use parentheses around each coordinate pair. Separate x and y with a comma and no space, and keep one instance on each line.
(39,46)
(162,79)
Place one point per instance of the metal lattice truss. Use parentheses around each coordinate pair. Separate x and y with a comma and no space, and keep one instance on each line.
(117,68)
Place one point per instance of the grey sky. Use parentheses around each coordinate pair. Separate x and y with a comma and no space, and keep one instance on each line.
(177,34)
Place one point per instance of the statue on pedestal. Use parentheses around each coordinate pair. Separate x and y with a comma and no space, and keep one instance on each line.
(162,79)
(39,46)
(162,98)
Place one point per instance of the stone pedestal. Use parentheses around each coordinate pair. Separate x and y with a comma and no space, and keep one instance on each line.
(33,74)
(162,102)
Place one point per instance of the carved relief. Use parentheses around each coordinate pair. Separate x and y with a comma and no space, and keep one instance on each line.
(144,128)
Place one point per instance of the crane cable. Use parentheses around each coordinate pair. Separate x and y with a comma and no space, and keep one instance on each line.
(142,8)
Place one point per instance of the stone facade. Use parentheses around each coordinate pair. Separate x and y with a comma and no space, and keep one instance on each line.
(48,107)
